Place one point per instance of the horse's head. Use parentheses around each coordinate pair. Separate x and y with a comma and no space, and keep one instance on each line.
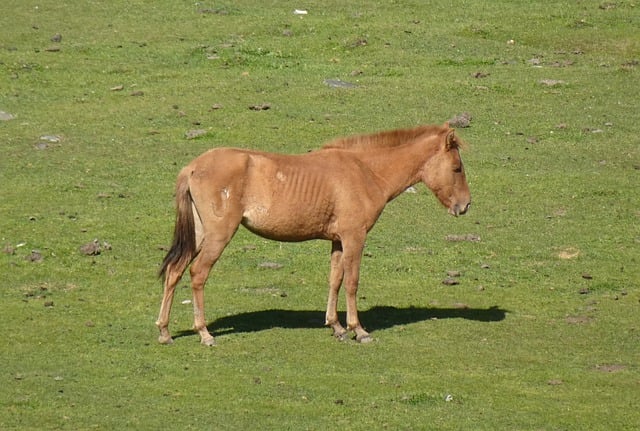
(444,174)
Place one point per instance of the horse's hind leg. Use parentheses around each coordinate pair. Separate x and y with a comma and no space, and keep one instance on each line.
(172,277)
(212,247)
(199,272)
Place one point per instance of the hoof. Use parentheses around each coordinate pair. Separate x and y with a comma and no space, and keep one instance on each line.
(165,339)
(341,337)
(340,334)
(364,339)
(210,341)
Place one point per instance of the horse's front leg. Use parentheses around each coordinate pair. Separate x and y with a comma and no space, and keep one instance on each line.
(351,260)
(335,281)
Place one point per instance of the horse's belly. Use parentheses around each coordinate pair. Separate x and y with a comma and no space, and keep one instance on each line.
(285,225)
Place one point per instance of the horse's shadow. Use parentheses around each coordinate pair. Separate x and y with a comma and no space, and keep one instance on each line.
(380,317)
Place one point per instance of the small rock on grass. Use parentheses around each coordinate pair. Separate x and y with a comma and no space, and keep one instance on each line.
(480,75)
(449,281)
(338,83)
(54,139)
(461,120)
(94,248)
(261,107)
(193,134)
(5,116)
(34,257)
(91,248)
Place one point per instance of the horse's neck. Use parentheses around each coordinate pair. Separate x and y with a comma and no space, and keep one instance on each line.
(400,167)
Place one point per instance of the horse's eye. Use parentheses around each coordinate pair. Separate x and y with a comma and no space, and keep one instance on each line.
(458,169)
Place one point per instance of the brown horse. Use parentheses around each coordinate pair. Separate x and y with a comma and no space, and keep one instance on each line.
(336,193)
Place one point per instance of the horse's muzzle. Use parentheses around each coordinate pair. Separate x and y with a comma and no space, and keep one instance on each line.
(458,209)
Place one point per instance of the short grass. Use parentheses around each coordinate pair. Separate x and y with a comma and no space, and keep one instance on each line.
(542,332)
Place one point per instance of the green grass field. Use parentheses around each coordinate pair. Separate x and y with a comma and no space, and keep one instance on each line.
(97,101)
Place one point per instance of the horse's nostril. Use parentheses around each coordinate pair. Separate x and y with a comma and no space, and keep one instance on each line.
(463,209)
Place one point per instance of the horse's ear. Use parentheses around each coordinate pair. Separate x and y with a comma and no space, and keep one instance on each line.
(451,141)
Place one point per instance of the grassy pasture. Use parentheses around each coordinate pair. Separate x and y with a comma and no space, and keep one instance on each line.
(542,331)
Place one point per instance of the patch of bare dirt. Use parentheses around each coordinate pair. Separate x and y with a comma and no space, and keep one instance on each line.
(578,320)
(569,253)
(467,237)
(270,265)
(196,133)
(610,368)
(552,82)
(338,83)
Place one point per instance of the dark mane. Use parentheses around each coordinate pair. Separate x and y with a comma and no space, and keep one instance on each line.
(385,139)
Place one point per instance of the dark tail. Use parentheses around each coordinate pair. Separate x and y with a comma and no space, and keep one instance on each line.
(183,249)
